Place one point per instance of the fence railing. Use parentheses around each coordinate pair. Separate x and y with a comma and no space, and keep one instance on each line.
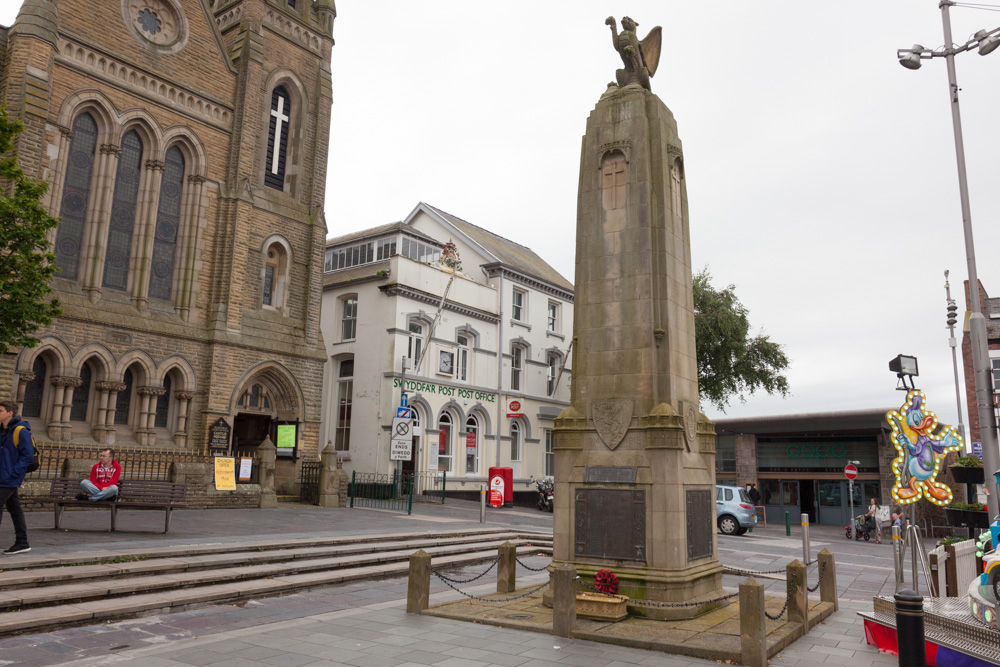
(426,486)
(966,565)
(939,563)
(137,462)
(381,491)
(309,473)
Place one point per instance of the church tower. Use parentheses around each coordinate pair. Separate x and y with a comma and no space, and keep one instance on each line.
(185,143)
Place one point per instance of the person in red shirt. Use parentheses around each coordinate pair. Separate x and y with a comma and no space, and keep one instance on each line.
(103,481)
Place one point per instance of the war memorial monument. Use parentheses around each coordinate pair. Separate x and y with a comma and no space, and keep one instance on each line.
(634,457)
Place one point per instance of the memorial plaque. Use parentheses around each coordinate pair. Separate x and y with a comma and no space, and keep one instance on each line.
(700,523)
(610,474)
(218,436)
(610,524)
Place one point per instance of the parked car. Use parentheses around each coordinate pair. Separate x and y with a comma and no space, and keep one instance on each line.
(734,513)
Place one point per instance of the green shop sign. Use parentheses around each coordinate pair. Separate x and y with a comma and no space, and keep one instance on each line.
(444,390)
(818,451)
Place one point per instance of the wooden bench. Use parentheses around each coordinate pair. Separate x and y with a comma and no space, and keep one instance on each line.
(132,494)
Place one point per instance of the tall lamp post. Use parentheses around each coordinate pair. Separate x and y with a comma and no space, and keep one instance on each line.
(952,319)
(985,42)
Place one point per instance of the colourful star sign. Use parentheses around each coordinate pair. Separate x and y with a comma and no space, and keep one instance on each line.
(921,447)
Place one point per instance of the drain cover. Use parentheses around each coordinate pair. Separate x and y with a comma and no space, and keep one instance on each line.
(518,615)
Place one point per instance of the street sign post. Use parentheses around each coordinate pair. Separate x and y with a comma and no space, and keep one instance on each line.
(401,445)
(851,472)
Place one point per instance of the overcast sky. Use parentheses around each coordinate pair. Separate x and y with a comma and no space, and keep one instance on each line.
(820,174)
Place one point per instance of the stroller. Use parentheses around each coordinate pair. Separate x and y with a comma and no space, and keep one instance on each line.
(864,527)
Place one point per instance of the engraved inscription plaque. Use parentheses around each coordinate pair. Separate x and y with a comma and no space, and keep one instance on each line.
(611,524)
(610,474)
(700,523)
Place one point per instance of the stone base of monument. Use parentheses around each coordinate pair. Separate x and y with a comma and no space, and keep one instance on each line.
(714,635)
(601,607)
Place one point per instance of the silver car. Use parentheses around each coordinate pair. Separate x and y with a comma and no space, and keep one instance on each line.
(734,512)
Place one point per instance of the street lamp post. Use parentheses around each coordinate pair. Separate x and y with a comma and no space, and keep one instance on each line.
(953,343)
(986,42)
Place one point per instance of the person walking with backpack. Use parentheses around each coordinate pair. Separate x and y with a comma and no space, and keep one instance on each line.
(16,453)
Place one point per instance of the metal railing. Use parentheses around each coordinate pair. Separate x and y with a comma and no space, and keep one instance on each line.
(309,474)
(137,462)
(254,456)
(381,491)
(426,486)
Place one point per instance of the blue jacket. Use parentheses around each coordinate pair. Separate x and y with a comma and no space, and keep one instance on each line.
(14,460)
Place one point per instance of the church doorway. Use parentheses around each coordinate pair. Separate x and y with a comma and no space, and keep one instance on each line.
(250,429)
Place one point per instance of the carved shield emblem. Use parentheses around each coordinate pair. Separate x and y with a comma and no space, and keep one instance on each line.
(611,418)
(691,426)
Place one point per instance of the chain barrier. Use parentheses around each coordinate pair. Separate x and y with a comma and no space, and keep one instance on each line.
(465,581)
(788,598)
(476,597)
(726,569)
(651,603)
(822,571)
(528,567)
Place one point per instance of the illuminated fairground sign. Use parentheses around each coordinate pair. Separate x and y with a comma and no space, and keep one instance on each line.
(921,445)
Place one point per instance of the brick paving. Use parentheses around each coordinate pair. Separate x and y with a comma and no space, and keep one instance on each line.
(364,623)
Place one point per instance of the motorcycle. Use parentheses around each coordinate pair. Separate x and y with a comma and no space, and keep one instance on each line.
(544,486)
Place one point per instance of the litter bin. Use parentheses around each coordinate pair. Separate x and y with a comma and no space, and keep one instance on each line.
(502,479)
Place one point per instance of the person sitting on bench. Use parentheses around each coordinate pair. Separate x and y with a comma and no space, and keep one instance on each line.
(103,482)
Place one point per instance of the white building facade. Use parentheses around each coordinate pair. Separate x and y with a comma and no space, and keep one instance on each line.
(396,318)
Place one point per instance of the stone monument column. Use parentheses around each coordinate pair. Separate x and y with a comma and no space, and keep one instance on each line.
(634,458)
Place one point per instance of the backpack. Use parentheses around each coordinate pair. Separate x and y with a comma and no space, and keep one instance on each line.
(36,461)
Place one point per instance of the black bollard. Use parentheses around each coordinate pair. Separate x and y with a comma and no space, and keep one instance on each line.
(910,629)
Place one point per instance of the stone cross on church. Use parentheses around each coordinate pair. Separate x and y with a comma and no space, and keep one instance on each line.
(279,119)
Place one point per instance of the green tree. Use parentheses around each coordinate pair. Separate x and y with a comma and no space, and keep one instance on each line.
(731,362)
(27,263)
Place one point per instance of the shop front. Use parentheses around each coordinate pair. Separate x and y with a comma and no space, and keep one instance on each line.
(797,462)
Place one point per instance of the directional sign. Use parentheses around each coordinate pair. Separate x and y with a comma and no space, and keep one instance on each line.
(401,445)
(850,471)
(404,413)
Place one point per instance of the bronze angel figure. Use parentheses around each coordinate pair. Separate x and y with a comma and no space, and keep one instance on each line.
(640,58)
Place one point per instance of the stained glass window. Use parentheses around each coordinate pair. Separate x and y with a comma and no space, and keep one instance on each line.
(81,397)
(163,405)
(76,193)
(34,390)
(124,400)
(168,216)
(277,139)
(268,296)
(123,207)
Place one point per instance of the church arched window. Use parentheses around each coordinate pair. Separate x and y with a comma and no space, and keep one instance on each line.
(34,391)
(123,403)
(168,216)
(123,207)
(81,396)
(277,139)
(76,194)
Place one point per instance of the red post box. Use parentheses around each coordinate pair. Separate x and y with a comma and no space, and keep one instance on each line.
(502,480)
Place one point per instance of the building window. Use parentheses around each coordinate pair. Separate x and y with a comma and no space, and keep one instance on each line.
(163,405)
(352,255)
(168,217)
(350,321)
(515,442)
(274,276)
(123,403)
(516,366)
(34,391)
(345,391)
(415,342)
(462,359)
(277,139)
(472,445)
(996,374)
(517,306)
(126,196)
(386,248)
(256,398)
(76,195)
(553,322)
(420,252)
(550,465)
(444,443)
(81,396)
(551,372)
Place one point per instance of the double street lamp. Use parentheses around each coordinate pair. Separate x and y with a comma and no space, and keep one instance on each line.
(985,42)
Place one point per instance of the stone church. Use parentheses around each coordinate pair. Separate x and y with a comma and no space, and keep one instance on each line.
(185,146)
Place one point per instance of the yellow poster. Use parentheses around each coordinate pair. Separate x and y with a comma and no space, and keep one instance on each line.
(286,436)
(225,473)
